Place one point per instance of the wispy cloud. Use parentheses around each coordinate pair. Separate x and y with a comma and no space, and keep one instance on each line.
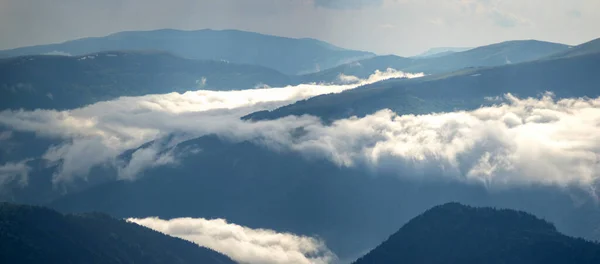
(505,19)
(387,26)
(243,244)
(437,21)
(14,172)
(493,10)
(145,158)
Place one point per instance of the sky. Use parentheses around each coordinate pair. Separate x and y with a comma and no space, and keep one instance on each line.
(402,27)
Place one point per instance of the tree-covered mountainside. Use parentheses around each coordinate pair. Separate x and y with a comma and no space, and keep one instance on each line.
(454,233)
(287,55)
(63,82)
(574,76)
(30,234)
(510,52)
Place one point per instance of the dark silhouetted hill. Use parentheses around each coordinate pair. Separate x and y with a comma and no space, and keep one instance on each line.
(454,233)
(30,234)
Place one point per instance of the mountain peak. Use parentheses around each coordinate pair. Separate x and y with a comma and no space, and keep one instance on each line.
(456,233)
(460,212)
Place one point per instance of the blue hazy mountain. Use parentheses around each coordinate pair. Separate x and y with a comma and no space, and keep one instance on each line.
(30,234)
(64,82)
(454,233)
(590,47)
(573,76)
(510,52)
(361,69)
(287,55)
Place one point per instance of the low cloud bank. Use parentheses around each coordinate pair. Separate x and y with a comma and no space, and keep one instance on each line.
(98,133)
(522,141)
(515,142)
(243,244)
(377,76)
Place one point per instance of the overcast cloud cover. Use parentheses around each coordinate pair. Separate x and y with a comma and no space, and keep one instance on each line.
(243,244)
(373,25)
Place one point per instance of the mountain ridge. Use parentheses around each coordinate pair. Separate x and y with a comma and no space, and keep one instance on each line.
(586,48)
(65,82)
(497,54)
(303,55)
(32,234)
(573,76)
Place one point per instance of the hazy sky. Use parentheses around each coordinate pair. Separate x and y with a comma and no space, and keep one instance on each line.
(403,27)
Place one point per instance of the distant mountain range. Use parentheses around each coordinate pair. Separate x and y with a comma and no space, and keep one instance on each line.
(454,233)
(571,76)
(30,234)
(510,52)
(65,82)
(287,55)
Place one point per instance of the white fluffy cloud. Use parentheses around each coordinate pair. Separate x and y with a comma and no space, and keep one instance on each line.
(523,141)
(243,244)
(98,133)
(515,142)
